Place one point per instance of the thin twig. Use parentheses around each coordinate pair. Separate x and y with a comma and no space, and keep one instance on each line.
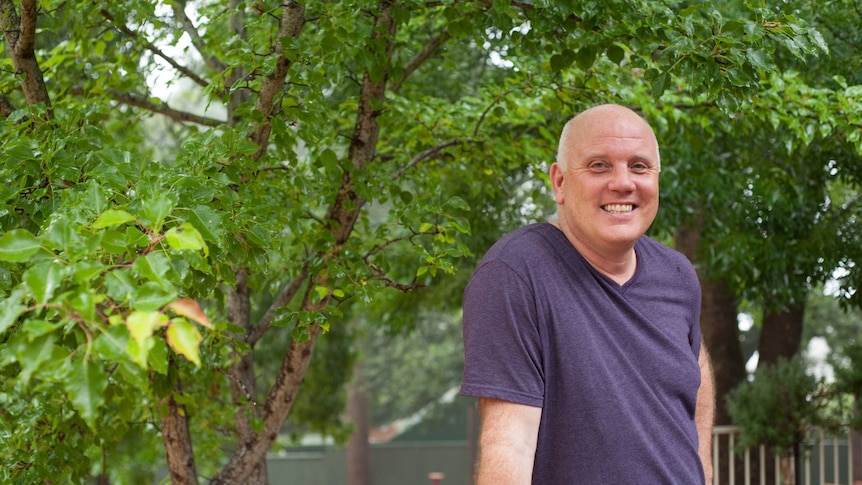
(155,50)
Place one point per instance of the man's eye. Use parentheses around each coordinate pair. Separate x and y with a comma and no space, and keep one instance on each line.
(639,168)
(598,166)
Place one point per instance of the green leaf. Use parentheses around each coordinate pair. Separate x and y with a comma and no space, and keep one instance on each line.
(17,245)
(158,356)
(112,342)
(154,211)
(208,221)
(184,338)
(35,328)
(141,325)
(119,284)
(322,292)
(616,54)
(113,241)
(660,84)
(33,354)
(112,217)
(562,60)
(139,352)
(153,296)
(85,385)
(153,267)
(247,147)
(759,59)
(10,309)
(186,237)
(586,57)
(43,280)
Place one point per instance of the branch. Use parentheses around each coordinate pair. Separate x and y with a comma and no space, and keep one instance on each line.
(20,34)
(283,298)
(292,20)
(279,402)
(163,109)
(155,50)
(431,152)
(380,275)
(488,109)
(188,27)
(421,57)
(6,107)
(27,39)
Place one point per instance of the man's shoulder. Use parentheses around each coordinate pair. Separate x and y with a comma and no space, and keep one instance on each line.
(524,238)
(522,248)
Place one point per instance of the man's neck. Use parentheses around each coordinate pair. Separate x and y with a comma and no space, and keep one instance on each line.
(618,264)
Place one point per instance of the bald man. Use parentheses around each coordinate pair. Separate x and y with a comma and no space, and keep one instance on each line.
(582,336)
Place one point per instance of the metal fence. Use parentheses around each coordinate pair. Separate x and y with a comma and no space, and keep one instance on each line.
(824,460)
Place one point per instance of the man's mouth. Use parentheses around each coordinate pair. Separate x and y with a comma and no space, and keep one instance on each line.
(618,208)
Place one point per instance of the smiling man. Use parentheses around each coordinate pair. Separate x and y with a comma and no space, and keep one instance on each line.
(582,336)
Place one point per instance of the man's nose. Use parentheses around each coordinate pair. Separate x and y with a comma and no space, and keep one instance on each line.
(621,179)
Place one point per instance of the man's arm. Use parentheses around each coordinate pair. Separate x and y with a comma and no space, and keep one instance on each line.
(507,442)
(704,413)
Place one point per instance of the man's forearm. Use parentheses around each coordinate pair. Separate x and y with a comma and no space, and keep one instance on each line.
(704,414)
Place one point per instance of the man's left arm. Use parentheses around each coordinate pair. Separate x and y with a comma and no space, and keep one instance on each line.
(704,413)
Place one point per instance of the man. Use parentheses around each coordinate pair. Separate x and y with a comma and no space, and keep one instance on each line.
(582,335)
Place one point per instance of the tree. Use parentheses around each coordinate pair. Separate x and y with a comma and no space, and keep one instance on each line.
(137,289)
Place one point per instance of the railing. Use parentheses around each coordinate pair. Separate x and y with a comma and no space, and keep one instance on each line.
(816,465)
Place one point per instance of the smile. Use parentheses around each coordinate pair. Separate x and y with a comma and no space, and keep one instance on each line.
(618,208)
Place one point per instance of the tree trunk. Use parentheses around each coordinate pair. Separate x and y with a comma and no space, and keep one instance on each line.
(781,334)
(178,443)
(720,328)
(358,448)
(241,376)
(20,36)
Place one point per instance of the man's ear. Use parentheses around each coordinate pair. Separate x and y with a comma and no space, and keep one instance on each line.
(557,178)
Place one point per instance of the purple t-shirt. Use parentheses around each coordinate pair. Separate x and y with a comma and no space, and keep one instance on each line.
(614,368)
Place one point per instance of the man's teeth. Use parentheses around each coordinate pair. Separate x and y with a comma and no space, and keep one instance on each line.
(618,207)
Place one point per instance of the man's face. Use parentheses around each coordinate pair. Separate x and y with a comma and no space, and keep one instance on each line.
(607,193)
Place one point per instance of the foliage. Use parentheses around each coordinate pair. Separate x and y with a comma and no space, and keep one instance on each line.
(778,406)
(353,149)
(848,381)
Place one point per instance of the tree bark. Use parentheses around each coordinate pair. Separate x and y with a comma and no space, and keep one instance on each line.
(781,334)
(20,34)
(178,442)
(358,448)
(241,374)
(720,328)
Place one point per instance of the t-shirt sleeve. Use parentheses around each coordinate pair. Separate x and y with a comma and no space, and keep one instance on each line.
(502,342)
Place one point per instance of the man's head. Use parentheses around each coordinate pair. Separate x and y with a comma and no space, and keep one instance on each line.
(570,129)
(605,180)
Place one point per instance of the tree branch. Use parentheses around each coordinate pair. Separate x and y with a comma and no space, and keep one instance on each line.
(6,107)
(488,110)
(163,109)
(27,40)
(20,34)
(155,50)
(279,401)
(403,287)
(283,298)
(188,27)
(421,57)
(292,20)
(177,439)
(425,154)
